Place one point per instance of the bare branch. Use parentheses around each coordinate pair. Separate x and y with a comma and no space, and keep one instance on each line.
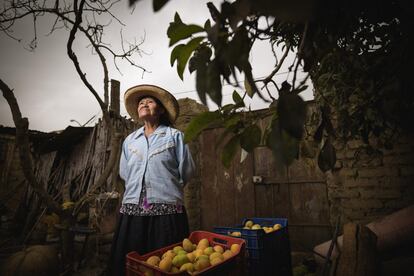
(22,140)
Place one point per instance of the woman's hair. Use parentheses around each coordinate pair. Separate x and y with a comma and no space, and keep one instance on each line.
(164,120)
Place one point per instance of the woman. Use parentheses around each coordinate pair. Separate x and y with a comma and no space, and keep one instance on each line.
(155,164)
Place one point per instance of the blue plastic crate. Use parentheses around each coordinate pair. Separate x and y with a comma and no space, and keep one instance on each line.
(268,251)
(256,239)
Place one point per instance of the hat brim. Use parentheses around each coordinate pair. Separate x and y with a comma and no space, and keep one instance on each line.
(135,93)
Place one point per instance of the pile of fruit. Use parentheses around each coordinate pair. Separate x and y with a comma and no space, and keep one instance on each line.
(250,225)
(190,257)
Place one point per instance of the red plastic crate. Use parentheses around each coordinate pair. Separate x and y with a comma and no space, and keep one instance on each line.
(232,266)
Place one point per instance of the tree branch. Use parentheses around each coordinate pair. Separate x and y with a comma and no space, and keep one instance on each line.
(22,140)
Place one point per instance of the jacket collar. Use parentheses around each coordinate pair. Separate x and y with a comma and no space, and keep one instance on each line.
(161,129)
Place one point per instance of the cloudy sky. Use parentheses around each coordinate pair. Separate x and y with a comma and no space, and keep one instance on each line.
(51,94)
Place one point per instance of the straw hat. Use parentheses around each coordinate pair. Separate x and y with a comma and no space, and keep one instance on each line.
(135,93)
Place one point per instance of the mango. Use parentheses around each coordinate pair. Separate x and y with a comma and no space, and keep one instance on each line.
(153,260)
(180,259)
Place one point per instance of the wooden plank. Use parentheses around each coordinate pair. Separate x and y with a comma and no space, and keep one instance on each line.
(263,200)
(359,254)
(309,204)
(244,189)
(305,170)
(225,188)
(281,202)
(265,166)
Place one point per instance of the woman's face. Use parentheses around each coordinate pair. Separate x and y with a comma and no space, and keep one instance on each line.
(149,109)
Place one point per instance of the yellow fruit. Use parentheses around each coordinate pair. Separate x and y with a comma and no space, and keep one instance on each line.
(201,264)
(236,234)
(268,229)
(235,248)
(153,260)
(174,269)
(203,243)
(202,257)
(165,264)
(208,250)
(249,223)
(180,259)
(218,248)
(227,254)
(277,226)
(149,273)
(169,254)
(198,252)
(191,256)
(215,261)
(182,251)
(177,248)
(246,227)
(189,267)
(216,255)
(187,245)
(256,227)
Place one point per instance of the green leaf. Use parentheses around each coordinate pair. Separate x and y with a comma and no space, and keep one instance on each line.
(291,110)
(237,99)
(248,88)
(199,123)
(214,82)
(199,62)
(327,157)
(178,30)
(158,4)
(250,138)
(285,148)
(230,150)
(182,53)
(175,53)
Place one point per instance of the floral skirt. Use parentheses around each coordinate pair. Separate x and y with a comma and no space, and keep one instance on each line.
(145,234)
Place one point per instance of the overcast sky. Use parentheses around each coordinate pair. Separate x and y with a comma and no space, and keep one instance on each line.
(51,94)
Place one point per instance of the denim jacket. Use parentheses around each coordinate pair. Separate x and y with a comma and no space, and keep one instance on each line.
(162,159)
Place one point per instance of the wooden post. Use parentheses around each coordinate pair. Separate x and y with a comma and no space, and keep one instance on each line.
(115,90)
(359,256)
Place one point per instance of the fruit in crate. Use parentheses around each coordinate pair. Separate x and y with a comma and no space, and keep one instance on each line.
(216,255)
(268,229)
(208,251)
(235,248)
(168,254)
(202,244)
(177,248)
(153,260)
(201,263)
(191,256)
(235,234)
(249,224)
(189,267)
(227,254)
(187,245)
(215,261)
(218,248)
(256,227)
(277,226)
(165,264)
(197,258)
(180,259)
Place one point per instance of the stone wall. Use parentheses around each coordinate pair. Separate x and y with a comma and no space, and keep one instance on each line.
(366,186)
